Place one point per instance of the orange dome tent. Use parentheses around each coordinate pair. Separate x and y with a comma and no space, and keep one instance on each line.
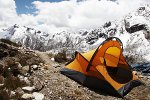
(104,68)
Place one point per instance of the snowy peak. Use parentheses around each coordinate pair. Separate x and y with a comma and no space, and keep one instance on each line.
(29,37)
(133,29)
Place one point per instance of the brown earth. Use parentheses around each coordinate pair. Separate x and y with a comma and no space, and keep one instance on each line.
(59,87)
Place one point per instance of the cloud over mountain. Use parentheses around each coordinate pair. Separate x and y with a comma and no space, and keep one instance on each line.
(67,15)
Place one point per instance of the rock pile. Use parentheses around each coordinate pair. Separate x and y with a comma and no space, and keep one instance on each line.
(16,66)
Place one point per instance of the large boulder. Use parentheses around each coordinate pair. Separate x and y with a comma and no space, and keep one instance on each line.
(60,57)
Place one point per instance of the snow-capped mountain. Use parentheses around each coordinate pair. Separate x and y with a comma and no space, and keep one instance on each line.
(42,41)
(133,29)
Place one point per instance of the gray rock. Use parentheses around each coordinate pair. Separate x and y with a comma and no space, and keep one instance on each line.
(1,79)
(18,65)
(52,59)
(19,91)
(27,96)
(12,94)
(21,77)
(1,85)
(41,64)
(28,82)
(38,96)
(141,76)
(25,69)
(28,88)
(35,67)
(135,72)
(46,81)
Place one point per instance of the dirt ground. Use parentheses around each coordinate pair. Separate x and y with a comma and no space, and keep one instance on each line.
(60,87)
(16,67)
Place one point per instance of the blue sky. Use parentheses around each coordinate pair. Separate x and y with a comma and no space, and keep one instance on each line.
(22,5)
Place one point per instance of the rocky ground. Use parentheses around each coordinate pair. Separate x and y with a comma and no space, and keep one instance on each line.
(59,87)
(34,75)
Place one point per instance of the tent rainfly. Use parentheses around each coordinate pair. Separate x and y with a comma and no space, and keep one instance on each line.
(103,68)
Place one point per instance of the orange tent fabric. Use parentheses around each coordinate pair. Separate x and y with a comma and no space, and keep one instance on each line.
(103,68)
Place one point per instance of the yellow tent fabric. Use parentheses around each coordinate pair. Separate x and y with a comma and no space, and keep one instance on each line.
(103,68)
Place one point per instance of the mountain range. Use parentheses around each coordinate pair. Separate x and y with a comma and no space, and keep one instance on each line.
(133,29)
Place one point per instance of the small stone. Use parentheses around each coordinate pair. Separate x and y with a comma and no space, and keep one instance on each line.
(60,98)
(135,72)
(1,85)
(12,93)
(77,92)
(27,80)
(28,88)
(46,81)
(141,76)
(42,69)
(25,69)
(38,96)
(148,77)
(19,91)
(21,77)
(27,74)
(45,66)
(39,67)
(41,64)
(18,65)
(1,79)
(27,96)
(35,67)
(52,59)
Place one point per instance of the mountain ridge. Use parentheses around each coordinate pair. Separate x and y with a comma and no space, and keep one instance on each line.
(130,29)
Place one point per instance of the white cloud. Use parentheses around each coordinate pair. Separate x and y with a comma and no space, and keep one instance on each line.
(7,12)
(69,15)
(85,14)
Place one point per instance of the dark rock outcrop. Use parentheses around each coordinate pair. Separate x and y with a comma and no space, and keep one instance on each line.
(15,61)
(144,68)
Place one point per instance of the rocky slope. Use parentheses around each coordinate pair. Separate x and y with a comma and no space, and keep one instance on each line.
(16,65)
(32,75)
